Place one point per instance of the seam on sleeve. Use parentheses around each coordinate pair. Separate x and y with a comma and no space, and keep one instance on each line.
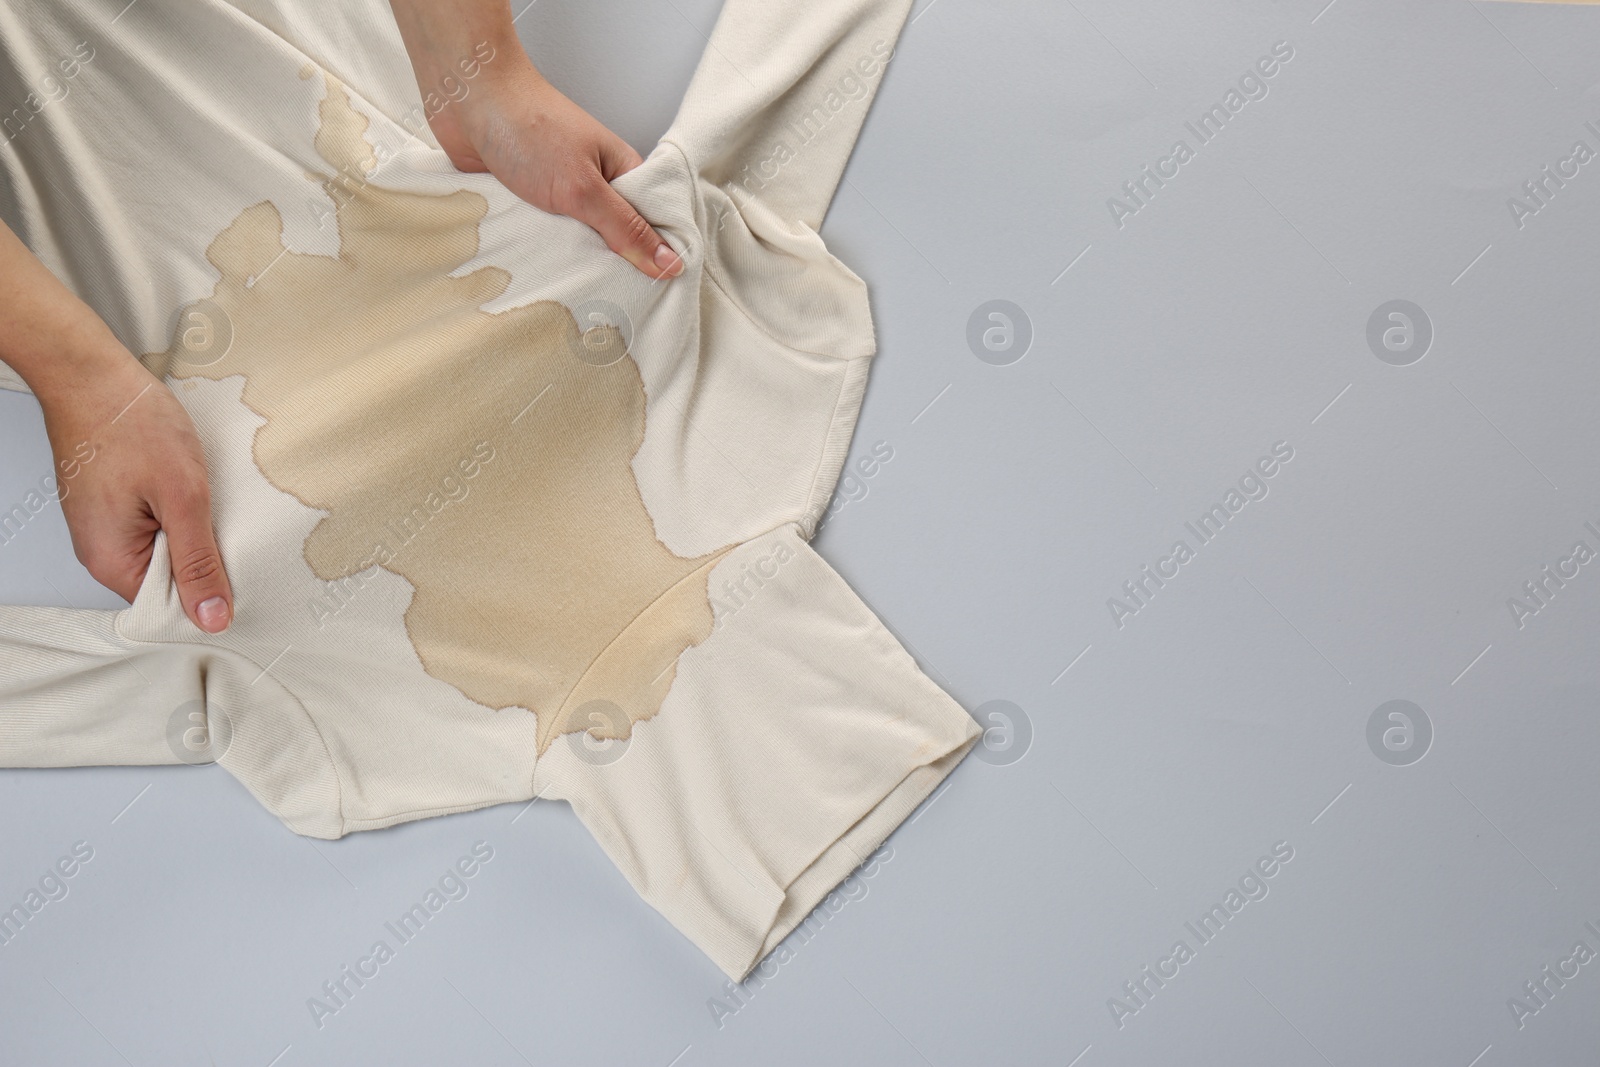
(716,557)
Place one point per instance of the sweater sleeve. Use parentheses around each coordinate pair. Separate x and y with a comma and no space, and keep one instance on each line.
(779,98)
(76,690)
(752,429)
(794,741)
(74,693)
(767,126)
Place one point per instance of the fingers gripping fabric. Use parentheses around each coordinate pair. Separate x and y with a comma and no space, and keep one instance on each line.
(503,517)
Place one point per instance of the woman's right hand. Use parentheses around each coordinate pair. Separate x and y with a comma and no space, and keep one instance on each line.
(129,463)
(128,460)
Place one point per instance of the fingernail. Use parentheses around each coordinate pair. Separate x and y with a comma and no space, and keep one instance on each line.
(213,615)
(667,260)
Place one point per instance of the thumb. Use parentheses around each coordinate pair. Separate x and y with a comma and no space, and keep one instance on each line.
(197,562)
(627,233)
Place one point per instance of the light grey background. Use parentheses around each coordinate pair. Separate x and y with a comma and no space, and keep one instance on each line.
(1230,713)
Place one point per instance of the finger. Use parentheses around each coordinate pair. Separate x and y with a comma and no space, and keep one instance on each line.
(197,561)
(627,233)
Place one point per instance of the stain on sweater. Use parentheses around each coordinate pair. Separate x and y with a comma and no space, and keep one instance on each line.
(474,454)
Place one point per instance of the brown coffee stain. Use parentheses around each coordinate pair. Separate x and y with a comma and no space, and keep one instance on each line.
(396,405)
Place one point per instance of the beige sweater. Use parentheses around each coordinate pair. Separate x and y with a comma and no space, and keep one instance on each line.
(504,518)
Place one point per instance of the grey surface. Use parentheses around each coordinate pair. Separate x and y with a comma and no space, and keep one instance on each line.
(1230,713)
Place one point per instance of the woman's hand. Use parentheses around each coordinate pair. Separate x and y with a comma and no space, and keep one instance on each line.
(515,125)
(129,463)
(128,460)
